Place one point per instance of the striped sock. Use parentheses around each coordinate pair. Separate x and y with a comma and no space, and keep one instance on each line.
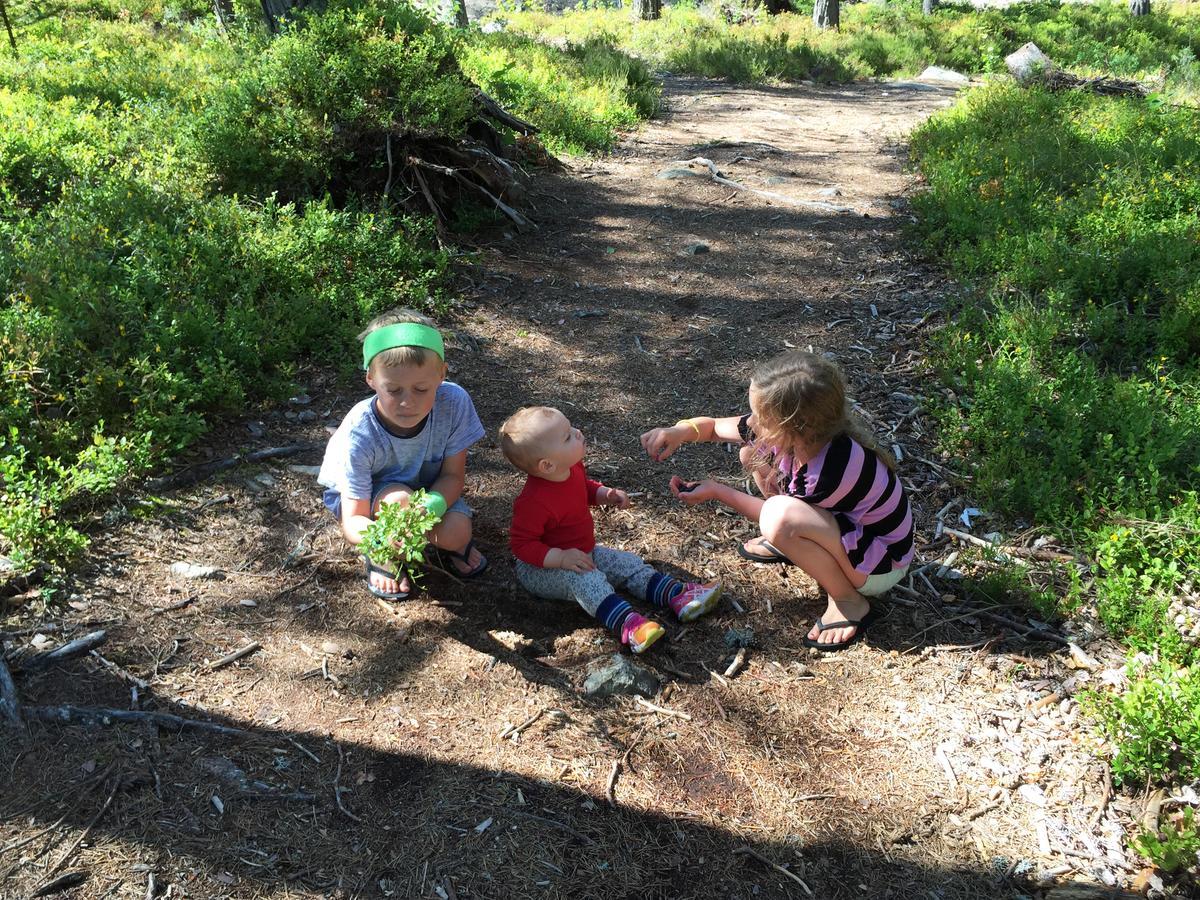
(612,612)
(662,589)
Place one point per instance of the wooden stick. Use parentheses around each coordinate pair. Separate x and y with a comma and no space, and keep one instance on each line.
(62,883)
(750,851)
(642,701)
(337,790)
(555,824)
(610,791)
(94,716)
(515,731)
(178,604)
(77,647)
(120,672)
(235,656)
(10,700)
(739,660)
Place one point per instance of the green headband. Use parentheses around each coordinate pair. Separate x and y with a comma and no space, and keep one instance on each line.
(405,334)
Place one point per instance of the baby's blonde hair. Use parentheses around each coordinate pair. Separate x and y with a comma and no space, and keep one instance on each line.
(518,436)
(398,356)
(802,401)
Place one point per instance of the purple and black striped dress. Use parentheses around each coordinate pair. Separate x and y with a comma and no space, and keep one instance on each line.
(866,498)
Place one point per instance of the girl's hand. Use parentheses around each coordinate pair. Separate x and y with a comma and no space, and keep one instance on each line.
(660,443)
(616,497)
(576,561)
(693,492)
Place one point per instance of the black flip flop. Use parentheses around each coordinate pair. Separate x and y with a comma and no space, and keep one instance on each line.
(381,594)
(775,555)
(859,627)
(445,557)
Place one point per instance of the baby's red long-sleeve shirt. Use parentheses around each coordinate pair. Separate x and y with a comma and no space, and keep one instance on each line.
(554,514)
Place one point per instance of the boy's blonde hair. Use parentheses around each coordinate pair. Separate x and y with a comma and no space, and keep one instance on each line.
(802,400)
(398,356)
(519,436)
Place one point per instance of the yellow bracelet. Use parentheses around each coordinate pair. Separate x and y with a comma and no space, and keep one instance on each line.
(694,426)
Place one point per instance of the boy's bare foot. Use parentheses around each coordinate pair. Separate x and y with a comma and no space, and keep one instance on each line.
(391,585)
(848,610)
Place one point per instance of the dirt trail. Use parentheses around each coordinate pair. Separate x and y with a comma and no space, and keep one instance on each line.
(922,762)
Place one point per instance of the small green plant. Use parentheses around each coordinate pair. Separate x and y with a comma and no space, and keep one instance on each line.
(1154,727)
(1176,844)
(399,535)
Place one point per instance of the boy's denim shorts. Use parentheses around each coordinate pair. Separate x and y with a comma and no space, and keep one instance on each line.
(333,502)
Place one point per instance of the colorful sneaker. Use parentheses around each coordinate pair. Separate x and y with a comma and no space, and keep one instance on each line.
(695,600)
(639,632)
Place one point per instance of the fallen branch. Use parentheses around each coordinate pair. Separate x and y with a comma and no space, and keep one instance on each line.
(555,824)
(739,660)
(199,473)
(750,851)
(515,730)
(70,650)
(337,789)
(95,716)
(234,656)
(610,791)
(10,700)
(63,882)
(716,176)
(493,109)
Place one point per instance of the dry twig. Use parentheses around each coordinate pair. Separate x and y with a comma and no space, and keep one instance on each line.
(750,851)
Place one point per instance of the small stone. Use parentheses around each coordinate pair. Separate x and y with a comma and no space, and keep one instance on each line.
(739,637)
(266,479)
(300,400)
(306,415)
(313,471)
(830,192)
(331,648)
(695,249)
(249,603)
(1031,793)
(676,172)
(192,570)
(618,674)
(1027,63)
(256,429)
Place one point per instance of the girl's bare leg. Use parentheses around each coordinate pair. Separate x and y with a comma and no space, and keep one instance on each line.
(810,538)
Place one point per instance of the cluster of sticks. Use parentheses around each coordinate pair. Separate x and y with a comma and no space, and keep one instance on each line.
(1058,80)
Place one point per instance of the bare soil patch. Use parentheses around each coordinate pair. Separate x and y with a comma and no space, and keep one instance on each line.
(923,762)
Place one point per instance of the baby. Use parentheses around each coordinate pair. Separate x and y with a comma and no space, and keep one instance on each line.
(553,535)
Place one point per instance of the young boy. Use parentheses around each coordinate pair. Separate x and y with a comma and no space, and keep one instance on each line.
(413,432)
(553,535)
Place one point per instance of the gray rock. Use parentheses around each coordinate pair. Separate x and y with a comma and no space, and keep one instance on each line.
(618,674)
(256,429)
(306,415)
(695,249)
(676,172)
(1028,63)
(739,637)
(830,192)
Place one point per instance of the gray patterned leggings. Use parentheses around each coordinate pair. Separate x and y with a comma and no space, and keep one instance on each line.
(615,570)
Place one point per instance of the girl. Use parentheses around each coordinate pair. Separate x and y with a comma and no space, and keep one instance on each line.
(833,504)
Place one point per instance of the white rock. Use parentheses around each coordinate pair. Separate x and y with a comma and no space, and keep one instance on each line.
(946,76)
(1031,793)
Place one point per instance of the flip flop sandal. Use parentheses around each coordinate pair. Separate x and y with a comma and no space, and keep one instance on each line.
(859,627)
(775,556)
(381,594)
(447,558)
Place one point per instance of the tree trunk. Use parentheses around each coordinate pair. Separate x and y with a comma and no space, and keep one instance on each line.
(774,7)
(223,10)
(647,9)
(1139,7)
(8,26)
(460,14)
(826,14)
(928,6)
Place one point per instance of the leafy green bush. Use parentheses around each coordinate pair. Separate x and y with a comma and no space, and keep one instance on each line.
(1175,845)
(1155,725)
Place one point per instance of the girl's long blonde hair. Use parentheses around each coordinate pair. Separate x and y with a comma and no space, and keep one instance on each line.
(801,401)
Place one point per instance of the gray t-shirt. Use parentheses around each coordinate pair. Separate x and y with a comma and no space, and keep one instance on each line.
(363,454)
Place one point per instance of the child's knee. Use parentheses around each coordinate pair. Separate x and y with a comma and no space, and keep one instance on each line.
(454,528)
(781,517)
(393,493)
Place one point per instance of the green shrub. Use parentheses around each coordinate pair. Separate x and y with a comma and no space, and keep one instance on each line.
(313,111)
(1175,845)
(579,96)
(1154,727)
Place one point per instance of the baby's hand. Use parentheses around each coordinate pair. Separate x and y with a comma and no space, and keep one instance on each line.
(616,497)
(576,561)
(660,443)
(693,492)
